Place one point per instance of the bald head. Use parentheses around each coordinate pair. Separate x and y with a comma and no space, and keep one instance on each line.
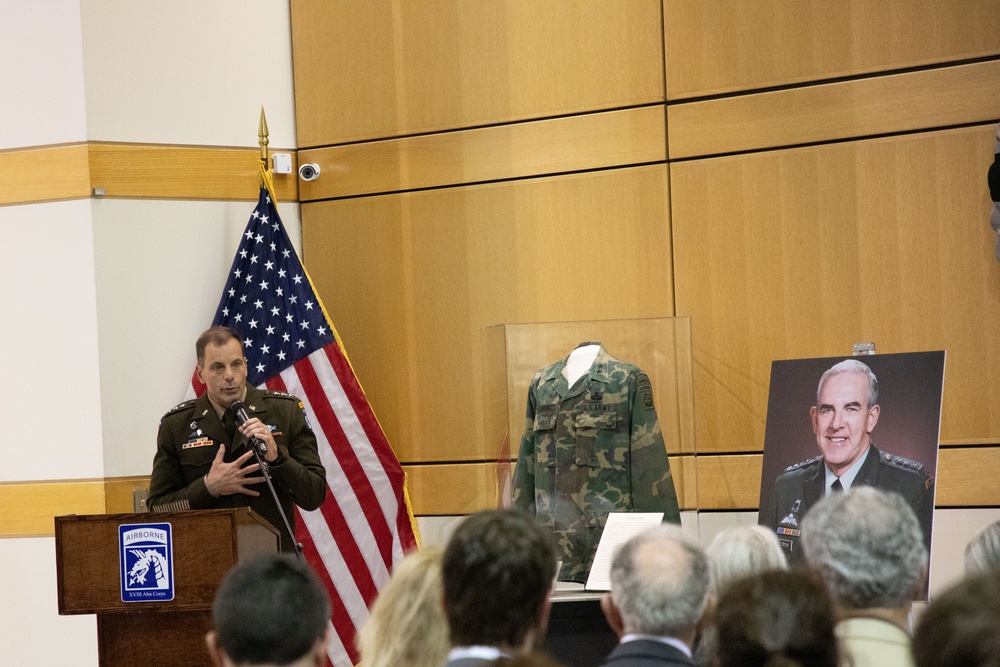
(659,582)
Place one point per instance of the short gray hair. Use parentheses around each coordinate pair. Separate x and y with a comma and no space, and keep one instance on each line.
(851,366)
(982,553)
(868,547)
(740,551)
(659,582)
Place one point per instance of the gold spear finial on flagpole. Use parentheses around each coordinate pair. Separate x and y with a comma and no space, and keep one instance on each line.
(262,133)
(265,168)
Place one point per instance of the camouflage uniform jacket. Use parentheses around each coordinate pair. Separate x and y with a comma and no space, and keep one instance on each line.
(590,449)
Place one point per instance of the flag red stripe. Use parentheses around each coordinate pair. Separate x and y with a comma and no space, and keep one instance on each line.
(343,448)
(347,542)
(380,445)
(342,621)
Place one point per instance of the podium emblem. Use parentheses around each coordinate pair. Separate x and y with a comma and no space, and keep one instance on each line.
(146,554)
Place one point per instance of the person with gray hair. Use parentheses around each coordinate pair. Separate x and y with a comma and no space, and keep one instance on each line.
(843,419)
(659,590)
(982,553)
(740,551)
(735,553)
(867,546)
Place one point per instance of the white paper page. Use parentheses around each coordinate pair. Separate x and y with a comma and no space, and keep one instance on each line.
(619,528)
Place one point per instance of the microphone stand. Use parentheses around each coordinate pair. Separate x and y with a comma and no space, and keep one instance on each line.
(257,446)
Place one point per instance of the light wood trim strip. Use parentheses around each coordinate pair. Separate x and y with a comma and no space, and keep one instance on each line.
(886,104)
(463,488)
(54,173)
(28,508)
(964,479)
(183,172)
(724,482)
(119,493)
(44,174)
(609,139)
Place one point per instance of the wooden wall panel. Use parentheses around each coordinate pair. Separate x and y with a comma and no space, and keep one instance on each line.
(367,69)
(727,45)
(575,143)
(858,108)
(411,280)
(802,253)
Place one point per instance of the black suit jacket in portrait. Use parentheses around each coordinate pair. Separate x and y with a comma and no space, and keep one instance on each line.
(646,653)
(802,485)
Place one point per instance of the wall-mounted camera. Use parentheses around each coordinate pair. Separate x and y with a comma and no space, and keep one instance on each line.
(309,172)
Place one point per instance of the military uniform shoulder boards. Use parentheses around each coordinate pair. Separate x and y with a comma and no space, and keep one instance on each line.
(279,394)
(903,463)
(179,407)
(801,464)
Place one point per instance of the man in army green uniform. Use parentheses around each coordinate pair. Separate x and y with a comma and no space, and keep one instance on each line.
(202,457)
(590,447)
(843,418)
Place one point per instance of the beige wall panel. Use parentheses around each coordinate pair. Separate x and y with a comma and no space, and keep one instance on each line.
(727,45)
(967,477)
(615,138)
(44,174)
(411,280)
(802,253)
(463,488)
(864,107)
(729,481)
(368,69)
(452,489)
(183,172)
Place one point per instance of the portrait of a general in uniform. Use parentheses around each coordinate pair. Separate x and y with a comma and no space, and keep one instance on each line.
(834,423)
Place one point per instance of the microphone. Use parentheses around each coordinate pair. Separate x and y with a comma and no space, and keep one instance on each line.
(240,410)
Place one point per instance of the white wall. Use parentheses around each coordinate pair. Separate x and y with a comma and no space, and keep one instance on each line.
(188,71)
(101,300)
(43,98)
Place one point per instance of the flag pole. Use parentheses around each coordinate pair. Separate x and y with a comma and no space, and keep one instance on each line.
(265,170)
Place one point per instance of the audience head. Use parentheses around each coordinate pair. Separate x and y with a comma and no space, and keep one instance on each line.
(982,553)
(407,624)
(498,569)
(659,584)
(961,626)
(741,551)
(778,619)
(868,547)
(271,610)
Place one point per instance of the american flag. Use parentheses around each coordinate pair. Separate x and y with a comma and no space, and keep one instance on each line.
(364,524)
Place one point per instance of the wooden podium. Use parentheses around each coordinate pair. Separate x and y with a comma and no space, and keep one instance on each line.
(205,545)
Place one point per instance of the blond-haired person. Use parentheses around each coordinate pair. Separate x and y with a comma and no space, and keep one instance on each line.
(407,624)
